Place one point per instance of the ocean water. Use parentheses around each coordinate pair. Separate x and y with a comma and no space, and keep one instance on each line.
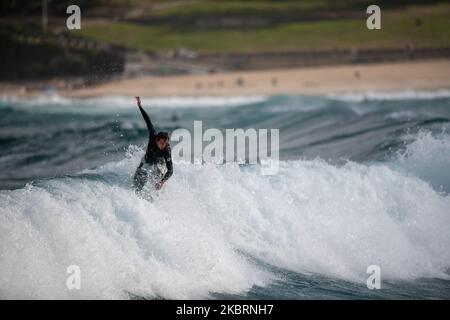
(364,180)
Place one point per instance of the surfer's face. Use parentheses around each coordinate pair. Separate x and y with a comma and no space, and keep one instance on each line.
(161,143)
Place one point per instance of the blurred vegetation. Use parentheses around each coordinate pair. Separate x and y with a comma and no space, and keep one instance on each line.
(233,26)
(33,7)
(218,26)
(26,54)
(414,26)
(281,8)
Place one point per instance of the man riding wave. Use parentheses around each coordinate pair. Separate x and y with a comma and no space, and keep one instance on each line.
(156,165)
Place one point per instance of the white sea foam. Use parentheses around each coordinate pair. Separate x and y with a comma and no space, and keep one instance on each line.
(312,217)
(128,101)
(427,157)
(180,102)
(391,96)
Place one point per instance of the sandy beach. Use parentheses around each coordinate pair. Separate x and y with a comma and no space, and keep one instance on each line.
(418,75)
(400,76)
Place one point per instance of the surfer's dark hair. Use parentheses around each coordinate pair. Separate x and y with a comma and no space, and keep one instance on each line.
(162,136)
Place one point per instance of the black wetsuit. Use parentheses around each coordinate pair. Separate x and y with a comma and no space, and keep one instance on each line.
(154,157)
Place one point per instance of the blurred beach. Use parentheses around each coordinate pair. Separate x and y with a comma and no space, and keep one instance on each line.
(425,75)
(419,75)
(220,48)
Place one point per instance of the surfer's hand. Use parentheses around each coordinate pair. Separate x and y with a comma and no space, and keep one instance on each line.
(138,100)
(158,185)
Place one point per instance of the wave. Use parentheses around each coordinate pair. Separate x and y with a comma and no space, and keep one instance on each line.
(223,101)
(184,102)
(128,101)
(391,96)
(216,228)
(426,156)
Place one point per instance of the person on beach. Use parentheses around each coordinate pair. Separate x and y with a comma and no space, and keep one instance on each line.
(156,165)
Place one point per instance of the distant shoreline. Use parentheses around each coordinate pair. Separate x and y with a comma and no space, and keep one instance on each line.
(394,76)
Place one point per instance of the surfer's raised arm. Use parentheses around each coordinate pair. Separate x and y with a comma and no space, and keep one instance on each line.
(151,128)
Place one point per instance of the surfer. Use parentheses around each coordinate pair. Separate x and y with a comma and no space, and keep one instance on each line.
(156,165)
